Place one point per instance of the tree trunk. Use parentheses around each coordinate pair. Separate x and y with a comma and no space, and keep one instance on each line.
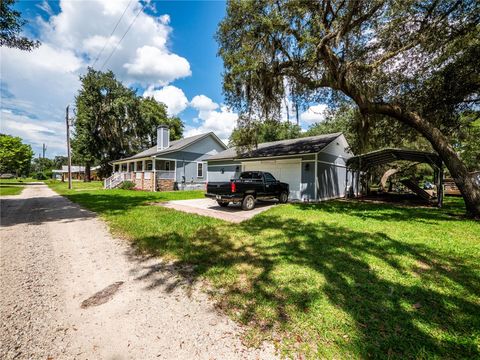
(386,176)
(87,172)
(470,191)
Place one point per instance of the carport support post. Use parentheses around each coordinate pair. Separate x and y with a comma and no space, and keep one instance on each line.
(358,176)
(440,186)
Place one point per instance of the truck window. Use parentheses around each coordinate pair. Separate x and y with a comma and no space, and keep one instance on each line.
(251,175)
(269,177)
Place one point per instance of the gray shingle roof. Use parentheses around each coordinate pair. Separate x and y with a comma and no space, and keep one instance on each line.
(306,145)
(175,145)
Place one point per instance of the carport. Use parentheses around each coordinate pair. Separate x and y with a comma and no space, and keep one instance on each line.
(362,164)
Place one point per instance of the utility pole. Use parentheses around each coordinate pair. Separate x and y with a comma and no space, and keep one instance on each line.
(67,120)
(44,150)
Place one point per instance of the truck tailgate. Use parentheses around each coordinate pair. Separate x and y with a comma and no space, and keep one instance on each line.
(218,188)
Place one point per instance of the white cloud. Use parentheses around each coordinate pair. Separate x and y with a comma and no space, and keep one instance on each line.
(37,85)
(165,19)
(51,133)
(314,114)
(142,57)
(203,103)
(153,64)
(212,117)
(95,44)
(45,6)
(171,96)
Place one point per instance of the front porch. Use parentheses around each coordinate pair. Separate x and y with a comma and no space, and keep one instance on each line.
(149,174)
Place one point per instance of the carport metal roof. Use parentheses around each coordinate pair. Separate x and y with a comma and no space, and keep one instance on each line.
(384,156)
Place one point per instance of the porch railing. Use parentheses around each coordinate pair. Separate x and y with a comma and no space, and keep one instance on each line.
(116,179)
(166,174)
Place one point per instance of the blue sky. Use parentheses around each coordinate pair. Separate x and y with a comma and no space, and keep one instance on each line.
(194,25)
(170,53)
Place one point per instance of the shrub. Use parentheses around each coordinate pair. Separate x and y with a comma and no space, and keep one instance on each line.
(127,185)
(40,176)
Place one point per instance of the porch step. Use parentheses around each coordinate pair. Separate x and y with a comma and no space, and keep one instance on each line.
(114,181)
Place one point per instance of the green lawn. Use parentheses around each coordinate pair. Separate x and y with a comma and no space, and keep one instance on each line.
(13,186)
(332,280)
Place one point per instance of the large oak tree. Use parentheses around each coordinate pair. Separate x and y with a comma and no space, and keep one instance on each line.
(112,122)
(415,62)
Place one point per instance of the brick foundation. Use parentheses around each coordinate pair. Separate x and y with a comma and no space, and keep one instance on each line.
(165,185)
(148,184)
(138,182)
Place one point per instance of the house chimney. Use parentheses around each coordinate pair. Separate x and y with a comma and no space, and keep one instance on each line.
(163,137)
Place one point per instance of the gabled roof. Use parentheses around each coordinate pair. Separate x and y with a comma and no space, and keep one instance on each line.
(175,145)
(301,146)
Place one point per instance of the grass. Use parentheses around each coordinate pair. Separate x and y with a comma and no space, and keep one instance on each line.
(330,280)
(13,186)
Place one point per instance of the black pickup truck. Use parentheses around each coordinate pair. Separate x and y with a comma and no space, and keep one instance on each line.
(249,187)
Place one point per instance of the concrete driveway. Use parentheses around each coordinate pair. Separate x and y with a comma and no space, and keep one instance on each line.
(209,207)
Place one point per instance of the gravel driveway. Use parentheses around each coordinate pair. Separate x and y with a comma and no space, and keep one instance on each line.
(70,290)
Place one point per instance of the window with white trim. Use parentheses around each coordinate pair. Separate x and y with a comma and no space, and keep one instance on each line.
(200,170)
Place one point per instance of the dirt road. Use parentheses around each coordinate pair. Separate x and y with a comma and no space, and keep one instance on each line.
(70,290)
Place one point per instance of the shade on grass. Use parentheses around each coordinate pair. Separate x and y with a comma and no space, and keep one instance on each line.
(332,280)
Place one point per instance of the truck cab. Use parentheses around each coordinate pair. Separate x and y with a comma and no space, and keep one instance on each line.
(247,189)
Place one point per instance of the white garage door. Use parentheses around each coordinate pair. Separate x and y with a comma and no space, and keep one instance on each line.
(287,171)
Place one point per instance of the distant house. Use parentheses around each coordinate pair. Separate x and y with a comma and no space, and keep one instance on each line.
(314,167)
(170,165)
(78,173)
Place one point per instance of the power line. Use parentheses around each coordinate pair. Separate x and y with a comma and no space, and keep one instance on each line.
(115,28)
(129,27)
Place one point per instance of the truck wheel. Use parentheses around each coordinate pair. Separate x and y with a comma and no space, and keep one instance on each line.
(222,203)
(283,198)
(248,202)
